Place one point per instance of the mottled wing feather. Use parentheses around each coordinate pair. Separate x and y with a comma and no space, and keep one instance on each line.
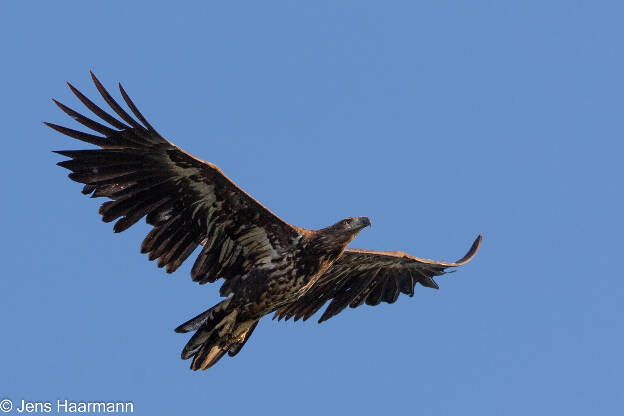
(188,201)
(371,277)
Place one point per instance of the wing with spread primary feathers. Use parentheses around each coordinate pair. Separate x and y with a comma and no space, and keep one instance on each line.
(188,201)
(366,276)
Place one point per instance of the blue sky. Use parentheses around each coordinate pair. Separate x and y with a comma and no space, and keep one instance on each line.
(439,121)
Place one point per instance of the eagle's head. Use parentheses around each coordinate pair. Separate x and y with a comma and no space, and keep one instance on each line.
(334,239)
(345,230)
(351,225)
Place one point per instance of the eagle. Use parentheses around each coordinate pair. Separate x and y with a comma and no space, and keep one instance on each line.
(267,265)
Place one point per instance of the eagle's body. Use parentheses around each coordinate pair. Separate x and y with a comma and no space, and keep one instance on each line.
(291,272)
(268,265)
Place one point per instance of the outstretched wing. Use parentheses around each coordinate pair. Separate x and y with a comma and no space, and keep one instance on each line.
(366,276)
(188,201)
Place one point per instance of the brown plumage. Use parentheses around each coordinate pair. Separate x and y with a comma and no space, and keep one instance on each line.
(267,264)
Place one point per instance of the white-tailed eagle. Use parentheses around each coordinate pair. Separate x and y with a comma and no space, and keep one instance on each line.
(267,264)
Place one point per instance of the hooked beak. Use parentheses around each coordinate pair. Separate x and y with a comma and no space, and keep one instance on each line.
(364,222)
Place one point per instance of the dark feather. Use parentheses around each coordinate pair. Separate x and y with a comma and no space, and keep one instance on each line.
(374,298)
(93,125)
(134,109)
(113,104)
(85,137)
(97,110)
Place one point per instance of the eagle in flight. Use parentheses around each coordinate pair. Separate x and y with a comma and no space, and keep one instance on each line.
(267,264)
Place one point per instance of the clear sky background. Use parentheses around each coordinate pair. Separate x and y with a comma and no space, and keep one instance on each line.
(439,121)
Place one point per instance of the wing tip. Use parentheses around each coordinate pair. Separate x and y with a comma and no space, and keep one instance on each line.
(476,245)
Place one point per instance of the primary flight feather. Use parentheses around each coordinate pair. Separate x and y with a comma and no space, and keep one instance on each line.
(267,264)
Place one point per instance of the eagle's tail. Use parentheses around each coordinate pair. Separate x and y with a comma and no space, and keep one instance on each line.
(217,331)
